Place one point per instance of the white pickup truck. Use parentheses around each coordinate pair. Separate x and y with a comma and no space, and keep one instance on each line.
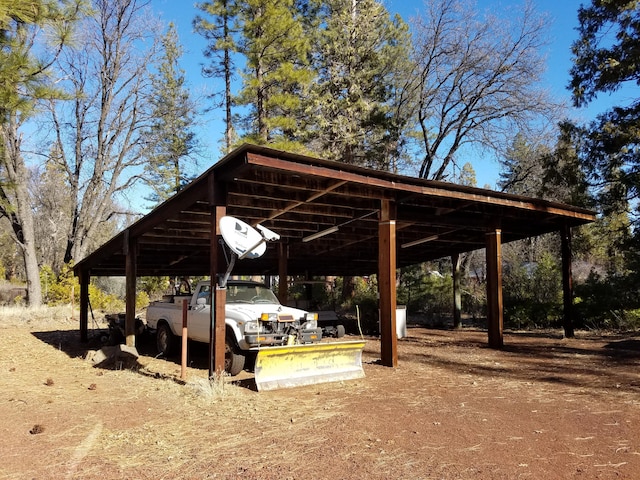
(254,317)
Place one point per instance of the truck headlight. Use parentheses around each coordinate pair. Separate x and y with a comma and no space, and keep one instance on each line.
(269,317)
(312,325)
(310,321)
(251,327)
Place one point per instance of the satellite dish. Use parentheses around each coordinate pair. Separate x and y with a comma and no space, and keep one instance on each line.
(243,240)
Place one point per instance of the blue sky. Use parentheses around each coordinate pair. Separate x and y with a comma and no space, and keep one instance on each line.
(562,15)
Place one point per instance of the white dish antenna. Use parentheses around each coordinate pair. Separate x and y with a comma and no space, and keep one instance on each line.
(244,240)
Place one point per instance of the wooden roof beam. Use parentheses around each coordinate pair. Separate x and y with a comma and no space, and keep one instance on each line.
(313,197)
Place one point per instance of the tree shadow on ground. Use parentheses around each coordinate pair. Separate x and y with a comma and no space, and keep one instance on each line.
(595,362)
(609,362)
(68,342)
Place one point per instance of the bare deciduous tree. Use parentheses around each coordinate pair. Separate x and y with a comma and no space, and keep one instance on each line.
(15,202)
(50,202)
(100,135)
(25,69)
(477,80)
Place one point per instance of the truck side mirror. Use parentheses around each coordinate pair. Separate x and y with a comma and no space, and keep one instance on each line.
(201,301)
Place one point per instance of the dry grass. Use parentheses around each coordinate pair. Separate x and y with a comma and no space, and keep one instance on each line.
(19,316)
(542,407)
(218,387)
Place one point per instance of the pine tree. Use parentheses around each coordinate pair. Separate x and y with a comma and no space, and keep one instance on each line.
(219,28)
(564,177)
(276,75)
(522,167)
(171,140)
(605,60)
(356,114)
(467,176)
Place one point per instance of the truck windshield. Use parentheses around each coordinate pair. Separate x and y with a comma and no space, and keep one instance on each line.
(250,294)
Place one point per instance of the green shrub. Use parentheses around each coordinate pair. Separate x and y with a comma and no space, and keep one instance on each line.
(607,302)
(474,299)
(153,286)
(426,292)
(104,301)
(364,301)
(317,294)
(532,294)
(142,300)
(59,289)
(631,320)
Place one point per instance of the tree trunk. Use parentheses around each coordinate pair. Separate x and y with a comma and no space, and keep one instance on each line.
(34,288)
(22,215)
(228,99)
(348,288)
(457,293)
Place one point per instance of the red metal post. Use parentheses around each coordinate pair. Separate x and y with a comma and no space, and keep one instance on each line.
(185,338)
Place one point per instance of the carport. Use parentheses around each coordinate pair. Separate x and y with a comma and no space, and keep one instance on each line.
(333,219)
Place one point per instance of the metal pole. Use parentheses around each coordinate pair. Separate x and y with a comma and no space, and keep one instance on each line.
(183,370)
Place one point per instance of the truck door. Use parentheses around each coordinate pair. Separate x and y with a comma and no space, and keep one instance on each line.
(200,316)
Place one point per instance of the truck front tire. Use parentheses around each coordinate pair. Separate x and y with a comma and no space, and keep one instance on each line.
(165,340)
(233,361)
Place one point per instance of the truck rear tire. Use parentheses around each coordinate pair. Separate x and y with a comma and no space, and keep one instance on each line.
(233,361)
(165,340)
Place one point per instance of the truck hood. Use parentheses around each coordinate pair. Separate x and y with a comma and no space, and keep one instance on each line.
(248,312)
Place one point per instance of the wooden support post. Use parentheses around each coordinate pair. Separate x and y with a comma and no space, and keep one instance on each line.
(283,287)
(130,250)
(457,290)
(387,283)
(218,298)
(84,305)
(494,288)
(217,330)
(567,282)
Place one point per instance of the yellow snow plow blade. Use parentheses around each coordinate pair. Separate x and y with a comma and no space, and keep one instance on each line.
(296,365)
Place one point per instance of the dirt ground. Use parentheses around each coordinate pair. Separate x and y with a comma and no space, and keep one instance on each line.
(544,407)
